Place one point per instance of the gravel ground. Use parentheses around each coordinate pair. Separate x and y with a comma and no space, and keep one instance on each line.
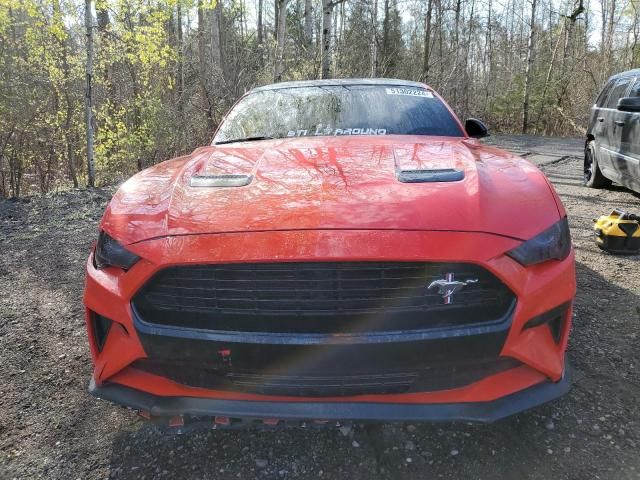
(51,428)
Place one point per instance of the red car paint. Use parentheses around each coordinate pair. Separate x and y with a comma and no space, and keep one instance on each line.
(333,183)
(333,199)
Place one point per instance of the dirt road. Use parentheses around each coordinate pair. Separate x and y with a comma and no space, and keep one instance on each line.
(51,428)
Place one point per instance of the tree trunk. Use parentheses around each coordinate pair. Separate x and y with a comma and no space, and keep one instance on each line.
(203,67)
(180,61)
(308,22)
(440,42)
(488,67)
(216,42)
(385,37)
(338,30)
(456,54)
(603,29)
(611,28)
(548,79)
(570,21)
(327,7)
(259,26)
(529,68)
(276,8)
(88,98)
(427,42)
(63,45)
(280,40)
(374,40)
(466,81)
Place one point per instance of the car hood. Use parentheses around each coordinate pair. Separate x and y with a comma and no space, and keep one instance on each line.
(336,183)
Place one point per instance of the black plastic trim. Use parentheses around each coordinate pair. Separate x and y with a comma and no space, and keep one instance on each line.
(291,383)
(619,245)
(101,327)
(481,412)
(555,318)
(547,316)
(500,325)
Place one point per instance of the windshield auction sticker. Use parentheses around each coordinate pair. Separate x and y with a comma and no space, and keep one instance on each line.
(411,92)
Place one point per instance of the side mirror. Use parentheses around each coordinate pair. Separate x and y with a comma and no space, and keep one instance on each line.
(629,104)
(476,129)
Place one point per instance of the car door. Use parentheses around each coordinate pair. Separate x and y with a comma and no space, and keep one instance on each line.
(628,160)
(596,120)
(610,140)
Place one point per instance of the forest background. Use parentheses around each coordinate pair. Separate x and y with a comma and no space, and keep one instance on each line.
(164,72)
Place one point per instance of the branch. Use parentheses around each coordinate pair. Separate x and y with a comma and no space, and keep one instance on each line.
(578,129)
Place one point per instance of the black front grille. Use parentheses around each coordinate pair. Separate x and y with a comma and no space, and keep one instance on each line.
(441,376)
(334,297)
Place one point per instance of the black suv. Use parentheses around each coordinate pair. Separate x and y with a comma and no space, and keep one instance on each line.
(612,151)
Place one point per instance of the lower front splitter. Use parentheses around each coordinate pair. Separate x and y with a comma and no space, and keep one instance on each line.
(481,412)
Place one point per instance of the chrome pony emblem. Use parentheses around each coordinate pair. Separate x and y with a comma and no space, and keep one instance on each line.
(447,287)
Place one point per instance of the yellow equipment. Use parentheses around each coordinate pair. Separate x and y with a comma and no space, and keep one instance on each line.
(618,232)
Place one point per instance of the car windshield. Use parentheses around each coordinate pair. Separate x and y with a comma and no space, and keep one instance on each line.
(338,110)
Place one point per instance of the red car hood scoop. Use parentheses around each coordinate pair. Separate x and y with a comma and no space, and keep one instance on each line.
(229,180)
(426,176)
(366,183)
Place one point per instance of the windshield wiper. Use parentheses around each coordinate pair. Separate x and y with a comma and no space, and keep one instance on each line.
(248,139)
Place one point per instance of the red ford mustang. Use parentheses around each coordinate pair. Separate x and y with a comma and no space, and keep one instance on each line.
(344,250)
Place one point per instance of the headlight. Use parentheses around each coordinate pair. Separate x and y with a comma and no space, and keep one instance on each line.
(552,244)
(109,253)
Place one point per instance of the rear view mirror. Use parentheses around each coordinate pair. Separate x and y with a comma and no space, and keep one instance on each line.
(629,104)
(475,128)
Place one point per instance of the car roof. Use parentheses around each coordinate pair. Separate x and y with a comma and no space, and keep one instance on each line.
(629,73)
(340,82)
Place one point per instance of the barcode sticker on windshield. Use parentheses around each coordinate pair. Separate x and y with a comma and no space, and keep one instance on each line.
(412,92)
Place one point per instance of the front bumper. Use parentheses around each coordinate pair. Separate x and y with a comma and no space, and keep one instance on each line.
(539,289)
(480,412)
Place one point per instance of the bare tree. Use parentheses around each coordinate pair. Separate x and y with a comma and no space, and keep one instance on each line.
(374,40)
(521,65)
(427,41)
(529,67)
(217,60)
(259,26)
(203,67)
(280,40)
(88,105)
(327,28)
(308,22)
(180,61)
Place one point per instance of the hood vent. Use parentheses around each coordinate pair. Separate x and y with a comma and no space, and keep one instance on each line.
(427,176)
(220,180)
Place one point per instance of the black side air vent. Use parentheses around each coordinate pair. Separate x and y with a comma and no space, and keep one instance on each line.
(221,180)
(427,176)
(101,326)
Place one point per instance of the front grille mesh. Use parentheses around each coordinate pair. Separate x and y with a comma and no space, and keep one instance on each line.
(319,297)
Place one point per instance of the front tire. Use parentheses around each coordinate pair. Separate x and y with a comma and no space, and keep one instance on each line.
(593,177)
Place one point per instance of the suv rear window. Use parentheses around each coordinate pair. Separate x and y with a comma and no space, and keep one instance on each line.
(618,91)
(338,110)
